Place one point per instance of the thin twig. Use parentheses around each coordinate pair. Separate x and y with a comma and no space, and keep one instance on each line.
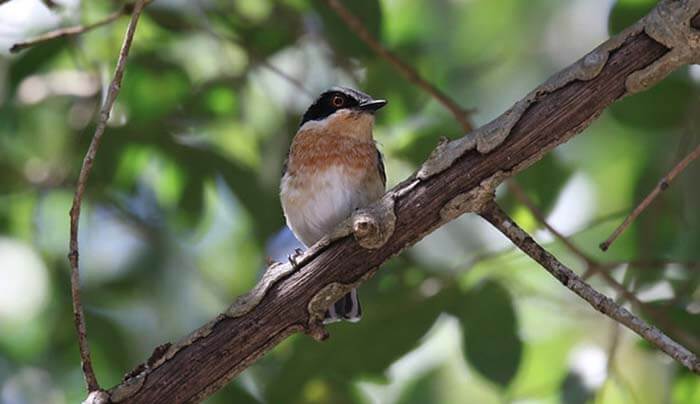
(649,311)
(499,219)
(596,267)
(660,187)
(88,161)
(284,75)
(521,196)
(409,73)
(592,266)
(71,31)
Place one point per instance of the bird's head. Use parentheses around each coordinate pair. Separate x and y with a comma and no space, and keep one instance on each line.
(344,111)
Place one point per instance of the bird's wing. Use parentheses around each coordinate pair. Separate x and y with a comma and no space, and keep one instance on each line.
(380,166)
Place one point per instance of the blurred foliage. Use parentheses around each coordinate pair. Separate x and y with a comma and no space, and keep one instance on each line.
(182,207)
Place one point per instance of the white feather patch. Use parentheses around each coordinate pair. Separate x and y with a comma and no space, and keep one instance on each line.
(329,197)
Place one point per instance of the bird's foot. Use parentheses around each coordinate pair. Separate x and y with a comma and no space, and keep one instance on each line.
(298,252)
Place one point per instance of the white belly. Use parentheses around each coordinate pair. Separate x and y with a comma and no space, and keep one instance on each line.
(325,200)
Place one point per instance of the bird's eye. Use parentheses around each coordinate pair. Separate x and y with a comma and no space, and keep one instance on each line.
(338,101)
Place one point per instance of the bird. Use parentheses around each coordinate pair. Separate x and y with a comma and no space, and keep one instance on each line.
(332,169)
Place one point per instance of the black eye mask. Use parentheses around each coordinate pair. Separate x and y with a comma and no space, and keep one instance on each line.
(324,106)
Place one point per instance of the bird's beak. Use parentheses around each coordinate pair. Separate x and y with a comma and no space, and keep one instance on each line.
(372,105)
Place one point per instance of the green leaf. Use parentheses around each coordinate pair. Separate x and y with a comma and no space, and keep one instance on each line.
(490,332)
(675,312)
(422,390)
(233,393)
(646,111)
(416,145)
(686,388)
(405,100)
(542,182)
(626,12)
(171,18)
(153,88)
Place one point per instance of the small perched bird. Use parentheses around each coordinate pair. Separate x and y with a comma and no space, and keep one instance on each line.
(333,168)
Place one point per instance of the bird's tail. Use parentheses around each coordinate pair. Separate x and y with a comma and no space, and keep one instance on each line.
(347,308)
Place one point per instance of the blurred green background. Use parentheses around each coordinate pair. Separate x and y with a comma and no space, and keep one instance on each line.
(182,206)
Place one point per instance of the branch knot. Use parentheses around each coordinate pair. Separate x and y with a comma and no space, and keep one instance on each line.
(669,24)
(476,200)
(373,226)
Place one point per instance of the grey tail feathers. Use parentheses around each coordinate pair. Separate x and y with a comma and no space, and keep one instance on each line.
(347,308)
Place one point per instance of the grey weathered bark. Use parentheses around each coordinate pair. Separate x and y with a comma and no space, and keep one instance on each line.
(458,177)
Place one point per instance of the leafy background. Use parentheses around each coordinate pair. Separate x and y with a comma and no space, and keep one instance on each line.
(182,207)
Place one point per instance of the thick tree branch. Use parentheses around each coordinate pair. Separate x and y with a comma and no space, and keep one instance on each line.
(660,187)
(406,70)
(112,92)
(459,177)
(499,219)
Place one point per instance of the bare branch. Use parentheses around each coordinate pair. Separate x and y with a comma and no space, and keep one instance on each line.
(71,31)
(499,219)
(660,187)
(596,267)
(521,196)
(650,312)
(406,70)
(88,161)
